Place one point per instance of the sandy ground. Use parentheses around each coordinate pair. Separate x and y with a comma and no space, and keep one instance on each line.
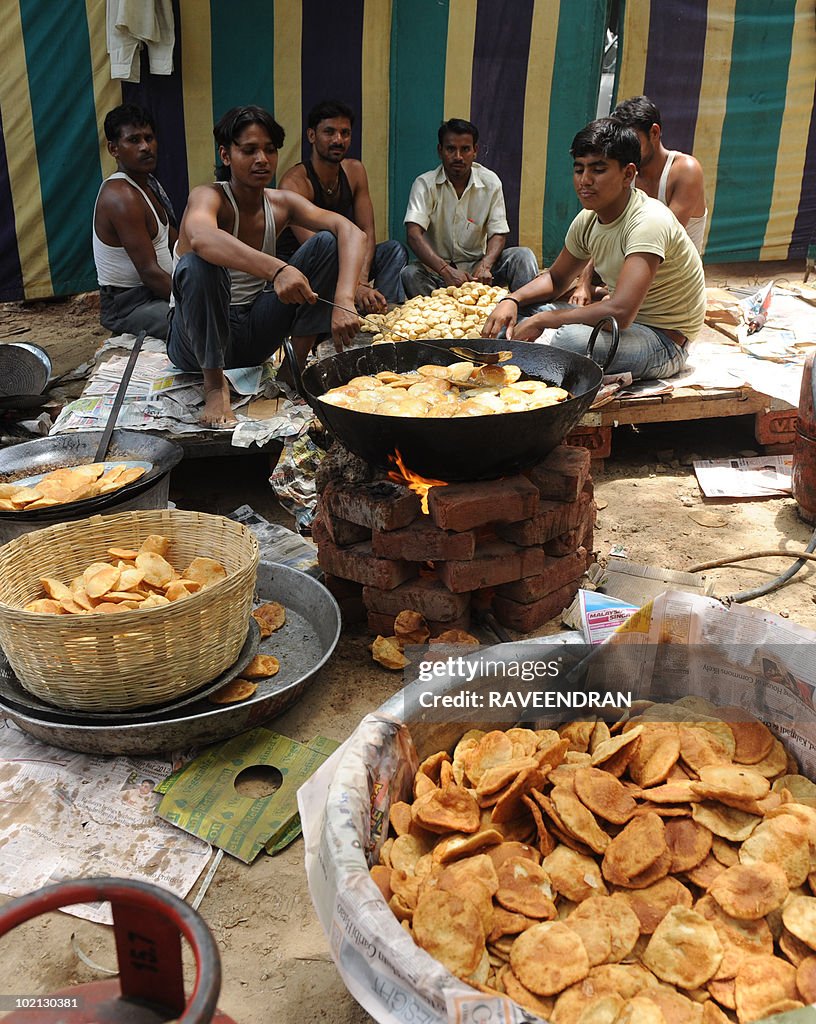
(274,955)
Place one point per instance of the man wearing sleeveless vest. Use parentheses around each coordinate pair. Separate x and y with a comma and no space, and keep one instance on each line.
(673,178)
(134,230)
(334,182)
(234,298)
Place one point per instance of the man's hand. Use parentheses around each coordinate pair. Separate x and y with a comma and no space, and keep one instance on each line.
(527,330)
(344,328)
(504,315)
(482,273)
(293,288)
(369,300)
(453,276)
(581,294)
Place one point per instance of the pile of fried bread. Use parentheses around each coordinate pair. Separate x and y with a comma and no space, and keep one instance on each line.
(658,871)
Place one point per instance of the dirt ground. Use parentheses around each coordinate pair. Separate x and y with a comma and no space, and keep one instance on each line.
(274,956)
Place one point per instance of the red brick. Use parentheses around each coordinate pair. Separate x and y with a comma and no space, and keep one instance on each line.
(554,518)
(562,474)
(384,624)
(777,426)
(342,532)
(597,439)
(493,562)
(462,506)
(557,573)
(525,618)
(357,562)
(348,595)
(380,505)
(426,595)
(566,543)
(421,541)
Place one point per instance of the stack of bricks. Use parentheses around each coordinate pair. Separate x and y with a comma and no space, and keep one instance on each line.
(519,545)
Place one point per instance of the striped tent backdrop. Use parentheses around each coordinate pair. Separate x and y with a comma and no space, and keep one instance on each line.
(525,71)
(735,82)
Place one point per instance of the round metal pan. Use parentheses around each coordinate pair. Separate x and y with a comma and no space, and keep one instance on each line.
(14,695)
(77,449)
(462,448)
(303,645)
(24,369)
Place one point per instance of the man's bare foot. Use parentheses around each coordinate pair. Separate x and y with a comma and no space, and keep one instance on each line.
(217,413)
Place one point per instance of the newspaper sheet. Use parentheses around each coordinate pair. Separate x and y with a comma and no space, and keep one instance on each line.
(763,476)
(65,815)
(161,397)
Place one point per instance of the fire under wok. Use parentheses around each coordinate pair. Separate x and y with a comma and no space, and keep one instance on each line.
(461,448)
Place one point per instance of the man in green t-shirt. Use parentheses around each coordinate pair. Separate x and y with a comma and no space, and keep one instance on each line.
(643,254)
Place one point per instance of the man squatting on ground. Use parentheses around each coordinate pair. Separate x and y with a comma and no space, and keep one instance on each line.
(333,182)
(234,299)
(456,223)
(674,178)
(134,230)
(653,271)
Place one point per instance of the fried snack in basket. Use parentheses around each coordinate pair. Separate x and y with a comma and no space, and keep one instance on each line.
(139,580)
(629,882)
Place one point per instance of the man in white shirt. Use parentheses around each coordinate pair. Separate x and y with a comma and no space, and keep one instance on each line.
(456,223)
(134,230)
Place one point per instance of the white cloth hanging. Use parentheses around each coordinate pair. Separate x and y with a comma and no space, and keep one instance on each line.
(132,24)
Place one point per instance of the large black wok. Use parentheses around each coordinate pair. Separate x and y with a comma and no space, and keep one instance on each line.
(466,448)
(76,449)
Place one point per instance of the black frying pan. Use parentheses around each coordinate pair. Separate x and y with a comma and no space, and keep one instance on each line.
(77,449)
(466,448)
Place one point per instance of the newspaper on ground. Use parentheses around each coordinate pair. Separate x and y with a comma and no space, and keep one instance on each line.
(277,543)
(763,476)
(162,397)
(680,646)
(65,815)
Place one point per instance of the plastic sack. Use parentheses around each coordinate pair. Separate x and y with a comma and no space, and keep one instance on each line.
(680,645)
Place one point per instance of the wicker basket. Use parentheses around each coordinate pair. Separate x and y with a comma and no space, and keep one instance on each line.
(135,658)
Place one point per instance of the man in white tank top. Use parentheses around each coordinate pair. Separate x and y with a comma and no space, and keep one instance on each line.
(134,230)
(673,178)
(234,299)
(676,179)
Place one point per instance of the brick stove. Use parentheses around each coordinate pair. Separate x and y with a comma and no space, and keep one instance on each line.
(518,546)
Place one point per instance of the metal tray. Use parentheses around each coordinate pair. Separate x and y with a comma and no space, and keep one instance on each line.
(14,694)
(303,645)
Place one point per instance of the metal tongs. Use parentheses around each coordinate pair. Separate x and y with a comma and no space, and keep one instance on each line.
(485,358)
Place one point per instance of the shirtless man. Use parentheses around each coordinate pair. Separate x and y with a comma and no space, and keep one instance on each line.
(676,179)
(134,230)
(234,299)
(653,272)
(332,181)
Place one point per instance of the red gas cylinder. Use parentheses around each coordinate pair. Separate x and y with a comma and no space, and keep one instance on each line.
(803,480)
(148,924)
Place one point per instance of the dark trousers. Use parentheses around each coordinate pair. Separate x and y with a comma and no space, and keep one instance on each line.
(207,333)
(131,310)
(389,259)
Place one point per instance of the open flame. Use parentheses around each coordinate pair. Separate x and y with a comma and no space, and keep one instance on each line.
(419,484)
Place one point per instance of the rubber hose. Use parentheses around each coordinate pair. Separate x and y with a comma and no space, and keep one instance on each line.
(775,584)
